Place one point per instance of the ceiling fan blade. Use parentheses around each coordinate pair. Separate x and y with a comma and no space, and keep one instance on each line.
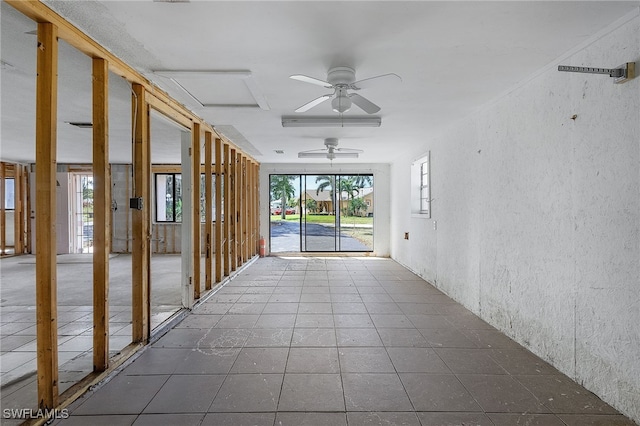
(365,104)
(309,105)
(345,155)
(311,80)
(348,150)
(377,80)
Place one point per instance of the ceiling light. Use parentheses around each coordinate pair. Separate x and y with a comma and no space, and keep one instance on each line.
(341,103)
(331,121)
(330,155)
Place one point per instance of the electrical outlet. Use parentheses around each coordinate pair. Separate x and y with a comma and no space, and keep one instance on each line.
(406,235)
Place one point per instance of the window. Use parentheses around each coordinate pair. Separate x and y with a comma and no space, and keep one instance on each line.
(9,194)
(421,187)
(425,191)
(169,197)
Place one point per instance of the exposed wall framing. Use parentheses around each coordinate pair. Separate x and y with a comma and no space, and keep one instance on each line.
(234,213)
(14,222)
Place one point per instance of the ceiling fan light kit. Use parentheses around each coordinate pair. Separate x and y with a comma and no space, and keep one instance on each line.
(331,121)
(341,103)
(341,80)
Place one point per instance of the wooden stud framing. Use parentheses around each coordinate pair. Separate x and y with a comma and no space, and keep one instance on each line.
(27,182)
(233,172)
(248,210)
(246,222)
(252,238)
(101,218)
(226,245)
(18,210)
(256,186)
(208,196)
(241,209)
(195,169)
(140,224)
(52,26)
(3,213)
(218,224)
(46,286)
(146,214)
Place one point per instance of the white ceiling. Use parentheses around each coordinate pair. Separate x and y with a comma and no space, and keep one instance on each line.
(453,57)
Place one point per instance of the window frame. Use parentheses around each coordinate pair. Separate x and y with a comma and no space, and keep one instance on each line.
(425,187)
(13,193)
(202,204)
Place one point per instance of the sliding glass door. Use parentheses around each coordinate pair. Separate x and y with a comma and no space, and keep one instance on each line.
(321,213)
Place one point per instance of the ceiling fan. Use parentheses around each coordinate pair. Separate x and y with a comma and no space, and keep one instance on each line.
(331,151)
(341,80)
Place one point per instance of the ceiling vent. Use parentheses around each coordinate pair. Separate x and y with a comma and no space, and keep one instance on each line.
(81,124)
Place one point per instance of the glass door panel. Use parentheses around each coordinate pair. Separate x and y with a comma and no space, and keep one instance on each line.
(284,210)
(319,214)
(355,219)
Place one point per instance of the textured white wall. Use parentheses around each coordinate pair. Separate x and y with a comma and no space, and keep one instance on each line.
(382,209)
(538,218)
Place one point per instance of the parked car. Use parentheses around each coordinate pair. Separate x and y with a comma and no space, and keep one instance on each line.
(278,210)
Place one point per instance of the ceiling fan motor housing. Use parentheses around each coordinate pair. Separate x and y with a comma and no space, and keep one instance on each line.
(331,142)
(341,75)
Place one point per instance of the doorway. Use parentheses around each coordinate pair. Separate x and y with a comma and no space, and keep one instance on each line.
(321,213)
(82,213)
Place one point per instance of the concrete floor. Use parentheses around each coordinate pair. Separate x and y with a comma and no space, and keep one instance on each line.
(336,341)
(75,318)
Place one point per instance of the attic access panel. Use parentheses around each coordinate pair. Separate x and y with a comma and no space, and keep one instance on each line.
(233,88)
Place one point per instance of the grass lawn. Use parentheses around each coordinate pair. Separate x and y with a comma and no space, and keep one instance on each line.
(324,218)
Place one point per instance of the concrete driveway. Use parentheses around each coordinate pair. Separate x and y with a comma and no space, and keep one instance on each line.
(285,237)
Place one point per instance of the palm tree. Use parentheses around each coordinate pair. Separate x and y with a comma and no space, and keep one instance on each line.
(348,184)
(325,183)
(364,181)
(282,188)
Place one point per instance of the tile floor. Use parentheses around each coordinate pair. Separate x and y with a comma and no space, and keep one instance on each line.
(18,388)
(336,341)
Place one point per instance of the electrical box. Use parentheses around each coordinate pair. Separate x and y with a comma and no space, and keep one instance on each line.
(136,203)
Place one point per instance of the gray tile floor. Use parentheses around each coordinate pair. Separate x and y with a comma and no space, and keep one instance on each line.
(18,387)
(337,341)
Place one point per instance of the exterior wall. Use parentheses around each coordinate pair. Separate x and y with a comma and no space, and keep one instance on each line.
(381,217)
(536,217)
(165,237)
